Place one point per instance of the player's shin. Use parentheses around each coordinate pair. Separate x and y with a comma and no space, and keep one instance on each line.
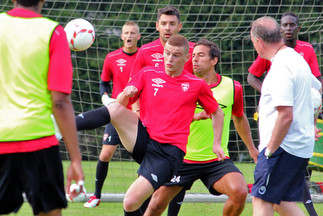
(92,119)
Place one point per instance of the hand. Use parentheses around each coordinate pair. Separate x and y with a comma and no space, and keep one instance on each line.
(254,154)
(317,133)
(74,172)
(130,91)
(219,152)
(106,100)
(201,116)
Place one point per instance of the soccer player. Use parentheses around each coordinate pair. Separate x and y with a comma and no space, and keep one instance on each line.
(116,68)
(36,80)
(158,139)
(151,54)
(289,27)
(286,128)
(220,177)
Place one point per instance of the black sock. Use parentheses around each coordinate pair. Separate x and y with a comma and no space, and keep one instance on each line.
(176,203)
(92,119)
(101,173)
(144,206)
(133,213)
(307,201)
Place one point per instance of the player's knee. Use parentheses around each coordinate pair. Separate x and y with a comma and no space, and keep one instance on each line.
(239,194)
(156,208)
(130,204)
(106,156)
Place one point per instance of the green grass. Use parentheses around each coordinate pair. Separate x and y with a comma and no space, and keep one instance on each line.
(124,173)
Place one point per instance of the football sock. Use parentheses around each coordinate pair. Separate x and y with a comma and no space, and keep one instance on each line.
(133,213)
(176,203)
(92,119)
(144,206)
(307,201)
(101,173)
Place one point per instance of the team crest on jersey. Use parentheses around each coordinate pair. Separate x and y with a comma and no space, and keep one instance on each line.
(105,136)
(158,82)
(157,57)
(121,62)
(185,87)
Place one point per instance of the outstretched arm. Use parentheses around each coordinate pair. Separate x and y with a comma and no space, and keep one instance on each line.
(243,128)
(64,115)
(217,123)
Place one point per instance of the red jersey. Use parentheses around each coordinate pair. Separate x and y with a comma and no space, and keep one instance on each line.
(151,54)
(117,67)
(60,74)
(167,104)
(305,49)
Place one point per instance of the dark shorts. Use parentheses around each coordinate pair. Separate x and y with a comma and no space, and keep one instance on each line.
(158,162)
(110,136)
(39,174)
(209,173)
(281,177)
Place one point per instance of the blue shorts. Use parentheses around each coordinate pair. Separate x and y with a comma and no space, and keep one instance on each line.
(158,162)
(209,173)
(281,177)
(110,136)
(39,174)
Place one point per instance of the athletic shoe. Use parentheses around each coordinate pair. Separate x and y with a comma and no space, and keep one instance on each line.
(92,203)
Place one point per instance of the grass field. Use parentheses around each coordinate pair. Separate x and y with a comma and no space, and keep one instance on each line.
(188,209)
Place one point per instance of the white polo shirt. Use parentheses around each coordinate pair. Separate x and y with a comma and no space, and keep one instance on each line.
(289,84)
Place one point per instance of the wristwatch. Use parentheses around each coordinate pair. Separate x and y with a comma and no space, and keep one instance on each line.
(267,153)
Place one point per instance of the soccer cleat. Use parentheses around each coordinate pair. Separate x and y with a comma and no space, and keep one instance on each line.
(92,203)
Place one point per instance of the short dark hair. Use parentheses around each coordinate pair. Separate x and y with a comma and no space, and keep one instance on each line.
(169,10)
(28,3)
(214,49)
(290,13)
(179,41)
(267,29)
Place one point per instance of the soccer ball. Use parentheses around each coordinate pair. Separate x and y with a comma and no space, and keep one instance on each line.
(80,34)
(316,100)
(80,197)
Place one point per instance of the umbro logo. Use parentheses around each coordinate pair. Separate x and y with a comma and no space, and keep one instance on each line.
(157,56)
(121,61)
(154,177)
(158,82)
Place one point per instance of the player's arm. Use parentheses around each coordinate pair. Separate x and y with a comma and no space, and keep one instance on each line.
(64,114)
(60,69)
(254,82)
(241,122)
(243,128)
(282,125)
(217,124)
(129,92)
(105,90)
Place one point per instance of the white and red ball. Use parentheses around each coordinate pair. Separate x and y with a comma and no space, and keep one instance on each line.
(316,100)
(79,197)
(80,34)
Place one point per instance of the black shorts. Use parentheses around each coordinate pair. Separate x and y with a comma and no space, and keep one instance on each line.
(39,174)
(110,136)
(209,173)
(158,162)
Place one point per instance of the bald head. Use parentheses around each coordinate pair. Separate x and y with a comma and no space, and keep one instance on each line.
(267,29)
